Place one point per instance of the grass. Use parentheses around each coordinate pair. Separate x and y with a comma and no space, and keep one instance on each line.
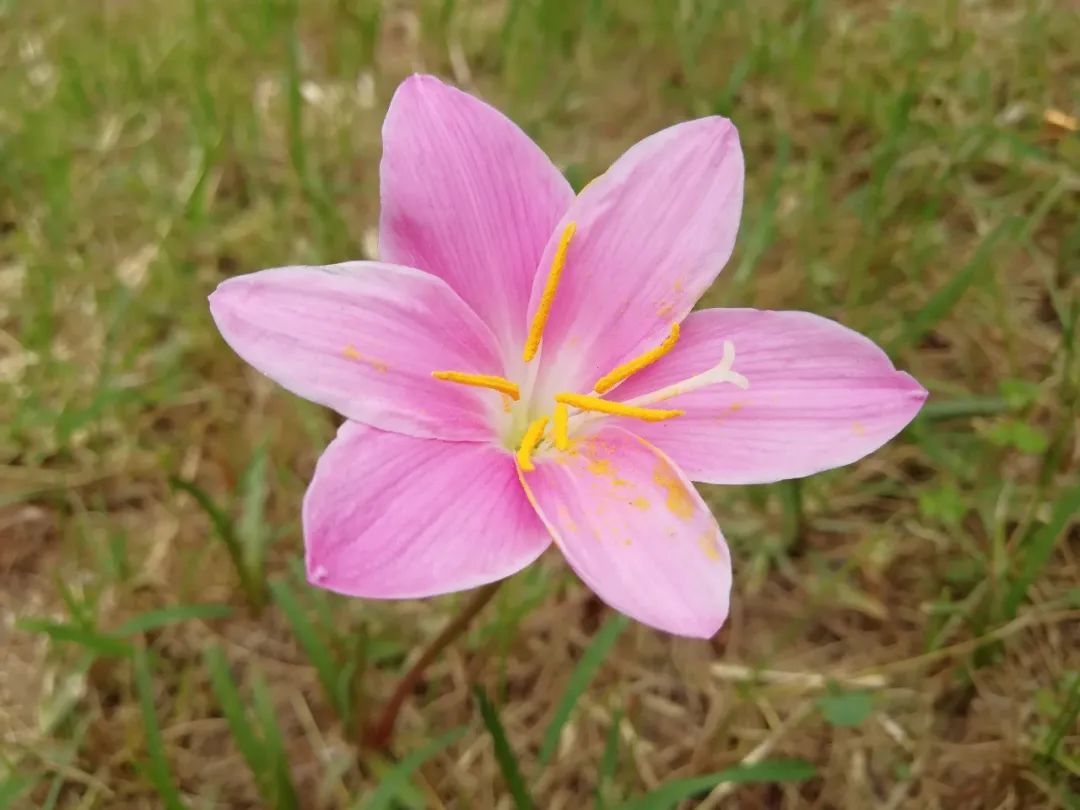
(903,177)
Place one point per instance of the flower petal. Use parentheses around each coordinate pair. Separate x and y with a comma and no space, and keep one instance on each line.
(636,531)
(467,196)
(363,339)
(652,233)
(820,396)
(391,517)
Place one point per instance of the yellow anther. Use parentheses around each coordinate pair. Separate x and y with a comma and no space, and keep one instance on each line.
(500,384)
(587,403)
(560,426)
(610,380)
(529,441)
(536,328)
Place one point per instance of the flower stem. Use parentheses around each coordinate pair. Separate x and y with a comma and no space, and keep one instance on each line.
(379,733)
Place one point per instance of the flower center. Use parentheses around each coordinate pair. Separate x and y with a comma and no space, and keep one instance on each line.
(587,407)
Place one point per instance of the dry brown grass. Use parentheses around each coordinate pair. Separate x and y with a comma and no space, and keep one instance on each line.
(145,155)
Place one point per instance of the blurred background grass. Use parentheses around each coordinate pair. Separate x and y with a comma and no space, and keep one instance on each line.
(905,630)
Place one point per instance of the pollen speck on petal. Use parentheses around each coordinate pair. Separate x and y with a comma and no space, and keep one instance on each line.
(647,561)
(676,497)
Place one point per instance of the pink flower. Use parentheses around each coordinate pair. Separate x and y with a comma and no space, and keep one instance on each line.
(523,366)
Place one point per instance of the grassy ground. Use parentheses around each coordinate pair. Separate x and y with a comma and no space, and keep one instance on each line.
(905,631)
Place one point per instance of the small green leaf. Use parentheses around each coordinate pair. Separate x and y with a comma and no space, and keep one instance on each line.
(397,778)
(945,504)
(671,793)
(1024,436)
(846,709)
(1018,393)
(583,673)
(504,754)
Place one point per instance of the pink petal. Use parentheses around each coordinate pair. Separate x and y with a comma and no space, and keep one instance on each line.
(820,396)
(652,234)
(392,517)
(363,339)
(636,531)
(467,196)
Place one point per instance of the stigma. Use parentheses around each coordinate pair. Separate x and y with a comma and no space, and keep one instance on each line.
(722,372)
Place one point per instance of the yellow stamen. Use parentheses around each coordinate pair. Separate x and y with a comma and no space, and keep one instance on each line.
(610,380)
(536,328)
(500,384)
(560,426)
(587,403)
(529,441)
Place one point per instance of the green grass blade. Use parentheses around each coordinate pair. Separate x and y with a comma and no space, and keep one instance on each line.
(252,532)
(583,673)
(228,697)
(81,613)
(504,754)
(964,408)
(157,768)
(316,650)
(281,785)
(223,528)
(52,798)
(513,9)
(311,182)
(608,762)
(1036,554)
(154,619)
(946,297)
(397,778)
(1065,720)
(99,643)
(762,233)
(670,794)
(14,787)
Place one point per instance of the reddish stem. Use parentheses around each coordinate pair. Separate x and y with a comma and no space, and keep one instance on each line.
(379,733)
